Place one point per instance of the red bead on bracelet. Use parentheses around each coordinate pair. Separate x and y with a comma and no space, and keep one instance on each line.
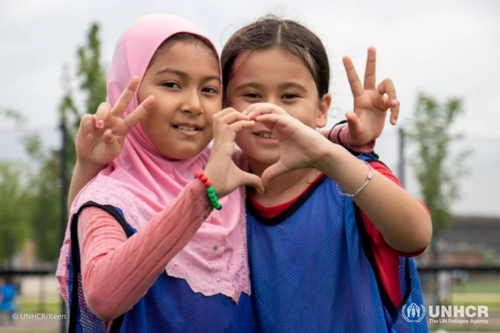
(201,176)
(210,190)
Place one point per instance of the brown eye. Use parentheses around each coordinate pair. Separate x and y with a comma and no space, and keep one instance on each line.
(210,90)
(289,96)
(171,85)
(252,95)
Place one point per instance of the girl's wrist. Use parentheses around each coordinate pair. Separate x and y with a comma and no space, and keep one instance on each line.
(346,170)
(214,182)
(212,196)
(330,159)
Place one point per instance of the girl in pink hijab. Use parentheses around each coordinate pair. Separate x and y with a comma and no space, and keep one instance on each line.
(112,274)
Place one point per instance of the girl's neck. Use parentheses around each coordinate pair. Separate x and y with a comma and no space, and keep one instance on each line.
(283,188)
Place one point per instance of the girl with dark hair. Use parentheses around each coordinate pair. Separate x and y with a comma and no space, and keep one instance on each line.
(331,238)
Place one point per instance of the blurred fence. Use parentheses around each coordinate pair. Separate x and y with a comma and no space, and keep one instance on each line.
(462,287)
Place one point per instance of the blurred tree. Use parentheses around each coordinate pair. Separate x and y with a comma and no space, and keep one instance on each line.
(44,188)
(91,74)
(16,199)
(92,78)
(438,170)
(16,196)
(45,210)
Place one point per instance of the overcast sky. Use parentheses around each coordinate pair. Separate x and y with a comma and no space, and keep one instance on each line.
(445,48)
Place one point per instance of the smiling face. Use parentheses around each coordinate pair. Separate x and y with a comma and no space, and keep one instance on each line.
(184,79)
(273,75)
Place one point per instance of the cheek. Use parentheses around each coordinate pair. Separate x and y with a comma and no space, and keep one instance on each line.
(210,104)
(307,114)
(213,107)
(148,124)
(152,115)
(237,104)
(156,121)
(243,137)
(210,108)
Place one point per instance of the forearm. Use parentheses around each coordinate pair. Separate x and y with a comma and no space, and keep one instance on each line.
(398,216)
(117,271)
(82,174)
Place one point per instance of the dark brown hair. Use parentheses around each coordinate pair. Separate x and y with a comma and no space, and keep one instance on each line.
(291,36)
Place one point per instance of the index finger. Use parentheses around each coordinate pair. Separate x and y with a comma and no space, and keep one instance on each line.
(352,76)
(223,112)
(232,117)
(126,97)
(258,109)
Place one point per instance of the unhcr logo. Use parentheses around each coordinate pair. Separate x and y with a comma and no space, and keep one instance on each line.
(413,313)
(454,315)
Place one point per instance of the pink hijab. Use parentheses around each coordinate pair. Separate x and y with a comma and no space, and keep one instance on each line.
(141,182)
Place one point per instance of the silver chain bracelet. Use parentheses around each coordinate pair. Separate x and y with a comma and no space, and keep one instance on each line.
(370,176)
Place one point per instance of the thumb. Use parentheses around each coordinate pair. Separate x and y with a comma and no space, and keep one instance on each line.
(355,126)
(272,172)
(253,181)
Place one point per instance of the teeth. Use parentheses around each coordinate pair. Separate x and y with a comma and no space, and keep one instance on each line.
(266,135)
(186,128)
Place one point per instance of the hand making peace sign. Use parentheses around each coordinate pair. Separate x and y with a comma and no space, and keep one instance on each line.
(101,136)
(371,102)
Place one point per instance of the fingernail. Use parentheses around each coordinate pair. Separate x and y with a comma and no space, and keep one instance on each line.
(100,123)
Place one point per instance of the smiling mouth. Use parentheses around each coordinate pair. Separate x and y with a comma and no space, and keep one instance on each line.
(265,135)
(187,128)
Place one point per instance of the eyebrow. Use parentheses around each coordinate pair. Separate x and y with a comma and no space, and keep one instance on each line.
(296,85)
(172,71)
(284,85)
(184,75)
(249,85)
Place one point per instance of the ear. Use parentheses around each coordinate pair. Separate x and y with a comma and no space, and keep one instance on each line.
(323,107)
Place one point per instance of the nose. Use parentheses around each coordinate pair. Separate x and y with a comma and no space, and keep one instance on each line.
(272,100)
(192,104)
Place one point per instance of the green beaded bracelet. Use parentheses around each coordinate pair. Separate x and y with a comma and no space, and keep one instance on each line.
(210,190)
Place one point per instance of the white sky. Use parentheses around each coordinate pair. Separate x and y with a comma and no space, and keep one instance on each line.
(445,48)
